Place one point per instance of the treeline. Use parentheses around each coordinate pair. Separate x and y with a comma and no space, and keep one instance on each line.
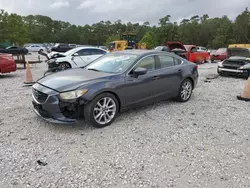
(199,30)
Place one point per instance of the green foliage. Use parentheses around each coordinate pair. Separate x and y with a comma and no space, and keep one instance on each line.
(150,39)
(199,30)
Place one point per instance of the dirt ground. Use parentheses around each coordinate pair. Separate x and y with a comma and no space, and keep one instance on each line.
(201,143)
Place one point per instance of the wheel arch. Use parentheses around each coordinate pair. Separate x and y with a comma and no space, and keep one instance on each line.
(191,79)
(65,61)
(111,92)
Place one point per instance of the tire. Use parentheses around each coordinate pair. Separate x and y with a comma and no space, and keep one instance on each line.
(91,115)
(64,66)
(186,83)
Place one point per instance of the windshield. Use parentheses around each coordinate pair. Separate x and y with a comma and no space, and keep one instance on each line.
(113,63)
(221,50)
(187,47)
(159,48)
(242,52)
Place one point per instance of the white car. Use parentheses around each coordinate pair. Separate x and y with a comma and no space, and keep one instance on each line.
(201,49)
(76,57)
(35,48)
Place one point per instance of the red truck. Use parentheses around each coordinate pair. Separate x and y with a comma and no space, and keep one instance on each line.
(7,63)
(188,52)
(196,56)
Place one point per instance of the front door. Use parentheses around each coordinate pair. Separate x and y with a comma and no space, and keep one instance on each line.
(141,88)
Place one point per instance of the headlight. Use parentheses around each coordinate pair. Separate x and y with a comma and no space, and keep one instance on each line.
(73,94)
(52,60)
(220,64)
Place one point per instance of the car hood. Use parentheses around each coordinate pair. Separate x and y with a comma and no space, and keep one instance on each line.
(175,45)
(238,58)
(71,79)
(239,52)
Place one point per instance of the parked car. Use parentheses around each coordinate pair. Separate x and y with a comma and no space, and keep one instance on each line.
(195,56)
(202,49)
(14,50)
(61,47)
(236,58)
(219,54)
(177,48)
(35,48)
(188,52)
(162,48)
(76,57)
(7,63)
(111,84)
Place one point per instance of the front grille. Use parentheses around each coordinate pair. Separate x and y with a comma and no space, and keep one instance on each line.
(39,96)
(233,64)
(40,110)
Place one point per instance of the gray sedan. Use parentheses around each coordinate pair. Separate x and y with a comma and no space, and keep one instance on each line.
(113,83)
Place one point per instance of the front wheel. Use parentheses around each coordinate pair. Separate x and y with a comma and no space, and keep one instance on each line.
(185,91)
(102,110)
(64,66)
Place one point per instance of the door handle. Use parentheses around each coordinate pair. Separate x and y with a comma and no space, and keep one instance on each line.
(156,77)
(179,71)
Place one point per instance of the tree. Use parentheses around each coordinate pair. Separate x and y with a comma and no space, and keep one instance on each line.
(150,39)
(198,29)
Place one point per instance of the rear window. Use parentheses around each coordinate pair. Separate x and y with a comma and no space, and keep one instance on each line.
(242,52)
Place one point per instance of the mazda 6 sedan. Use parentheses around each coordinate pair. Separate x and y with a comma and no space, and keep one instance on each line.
(111,84)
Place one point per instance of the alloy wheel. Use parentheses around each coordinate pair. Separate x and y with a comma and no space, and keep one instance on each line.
(186,90)
(104,110)
(64,66)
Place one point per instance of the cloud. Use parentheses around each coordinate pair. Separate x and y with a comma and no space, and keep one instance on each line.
(83,12)
(59,4)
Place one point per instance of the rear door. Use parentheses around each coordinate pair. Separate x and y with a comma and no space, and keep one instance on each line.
(169,72)
(96,53)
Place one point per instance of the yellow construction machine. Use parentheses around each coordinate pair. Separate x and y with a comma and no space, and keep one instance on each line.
(127,41)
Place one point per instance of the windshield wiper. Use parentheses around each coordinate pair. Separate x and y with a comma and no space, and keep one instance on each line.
(94,69)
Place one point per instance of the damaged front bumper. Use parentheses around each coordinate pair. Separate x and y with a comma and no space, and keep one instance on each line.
(50,108)
(232,72)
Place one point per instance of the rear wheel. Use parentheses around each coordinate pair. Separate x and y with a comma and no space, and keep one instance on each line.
(185,91)
(102,110)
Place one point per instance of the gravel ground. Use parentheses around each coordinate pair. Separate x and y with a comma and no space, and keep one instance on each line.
(201,143)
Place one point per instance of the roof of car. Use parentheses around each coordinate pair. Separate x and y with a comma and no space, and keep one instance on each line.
(140,52)
(88,47)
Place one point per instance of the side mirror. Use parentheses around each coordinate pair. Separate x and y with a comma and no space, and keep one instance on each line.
(139,71)
(76,54)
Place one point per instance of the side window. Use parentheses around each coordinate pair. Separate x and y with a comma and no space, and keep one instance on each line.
(147,62)
(193,50)
(63,46)
(177,61)
(84,52)
(97,52)
(166,61)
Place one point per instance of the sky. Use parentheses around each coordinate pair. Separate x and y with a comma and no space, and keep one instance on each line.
(81,12)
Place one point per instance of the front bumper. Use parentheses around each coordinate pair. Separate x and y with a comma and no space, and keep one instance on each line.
(232,72)
(221,58)
(51,108)
(50,111)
